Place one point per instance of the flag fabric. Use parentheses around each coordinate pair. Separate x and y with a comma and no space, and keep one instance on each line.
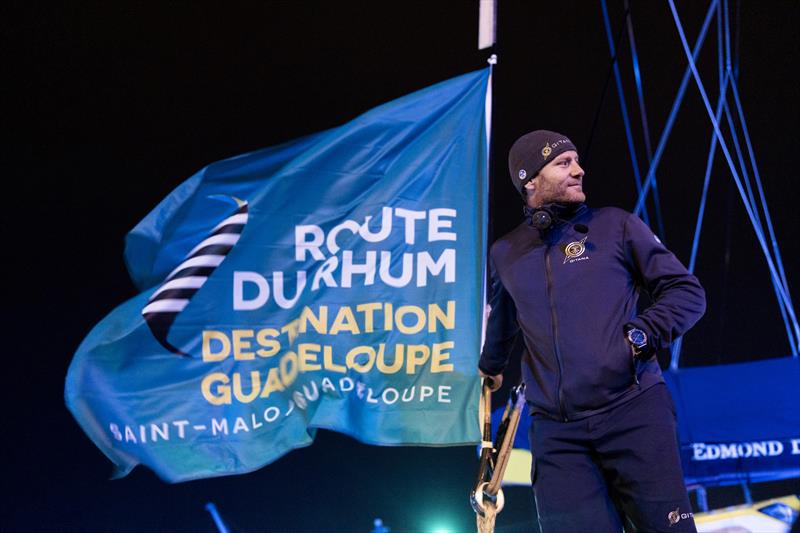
(332,282)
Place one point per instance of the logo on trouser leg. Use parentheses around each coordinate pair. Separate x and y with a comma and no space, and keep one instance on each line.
(676,516)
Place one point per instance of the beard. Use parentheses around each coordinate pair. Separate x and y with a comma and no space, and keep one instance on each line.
(571,196)
(566,195)
(548,193)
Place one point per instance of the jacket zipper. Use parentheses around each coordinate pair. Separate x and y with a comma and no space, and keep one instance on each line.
(554,323)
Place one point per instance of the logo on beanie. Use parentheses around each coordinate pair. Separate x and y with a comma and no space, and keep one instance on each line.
(548,148)
(522,174)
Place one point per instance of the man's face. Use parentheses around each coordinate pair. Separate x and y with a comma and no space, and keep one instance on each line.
(561,180)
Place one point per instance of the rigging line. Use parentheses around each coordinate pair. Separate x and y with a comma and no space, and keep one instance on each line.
(599,107)
(720,48)
(736,39)
(759,233)
(624,107)
(757,176)
(676,347)
(726,256)
(723,85)
(745,174)
(726,15)
(754,206)
(758,225)
(637,76)
(762,198)
(676,104)
(728,158)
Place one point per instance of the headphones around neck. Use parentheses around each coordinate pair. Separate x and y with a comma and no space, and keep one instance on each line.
(541,217)
(544,217)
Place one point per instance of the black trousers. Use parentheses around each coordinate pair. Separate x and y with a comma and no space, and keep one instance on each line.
(617,467)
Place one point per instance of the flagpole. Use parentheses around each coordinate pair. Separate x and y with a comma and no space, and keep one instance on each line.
(487,510)
(487,37)
(492,61)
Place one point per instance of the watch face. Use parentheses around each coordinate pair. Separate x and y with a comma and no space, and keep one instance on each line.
(637,337)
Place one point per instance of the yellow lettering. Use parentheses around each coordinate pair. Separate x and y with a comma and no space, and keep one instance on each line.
(288,366)
(271,345)
(319,323)
(240,345)
(307,354)
(354,364)
(404,310)
(210,356)
(416,355)
(219,394)
(255,387)
(368,310)
(439,356)
(387,317)
(291,330)
(447,320)
(272,383)
(327,355)
(344,321)
(397,364)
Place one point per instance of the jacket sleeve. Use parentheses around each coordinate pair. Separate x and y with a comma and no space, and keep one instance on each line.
(679,300)
(501,328)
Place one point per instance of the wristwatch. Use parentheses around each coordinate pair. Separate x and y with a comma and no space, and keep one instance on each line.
(638,340)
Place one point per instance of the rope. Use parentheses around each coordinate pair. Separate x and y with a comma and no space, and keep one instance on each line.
(587,150)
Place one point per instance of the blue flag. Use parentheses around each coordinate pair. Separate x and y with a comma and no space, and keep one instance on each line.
(331,282)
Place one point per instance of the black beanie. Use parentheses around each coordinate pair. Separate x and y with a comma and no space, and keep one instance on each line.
(531,152)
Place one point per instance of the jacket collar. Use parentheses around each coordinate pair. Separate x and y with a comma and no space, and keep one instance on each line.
(560,211)
(568,211)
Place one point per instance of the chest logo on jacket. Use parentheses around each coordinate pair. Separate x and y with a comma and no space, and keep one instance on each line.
(574,250)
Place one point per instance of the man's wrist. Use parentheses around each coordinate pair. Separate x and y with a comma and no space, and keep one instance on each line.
(638,339)
(489,370)
(484,373)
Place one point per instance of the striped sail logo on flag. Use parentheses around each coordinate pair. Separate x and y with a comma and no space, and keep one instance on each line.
(174,294)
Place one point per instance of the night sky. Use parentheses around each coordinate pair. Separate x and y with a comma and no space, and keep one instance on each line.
(108,106)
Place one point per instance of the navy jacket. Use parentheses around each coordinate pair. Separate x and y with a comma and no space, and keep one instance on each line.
(571,293)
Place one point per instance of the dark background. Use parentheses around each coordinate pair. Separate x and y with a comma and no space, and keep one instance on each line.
(107,106)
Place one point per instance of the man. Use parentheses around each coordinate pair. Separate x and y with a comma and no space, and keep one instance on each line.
(603,425)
